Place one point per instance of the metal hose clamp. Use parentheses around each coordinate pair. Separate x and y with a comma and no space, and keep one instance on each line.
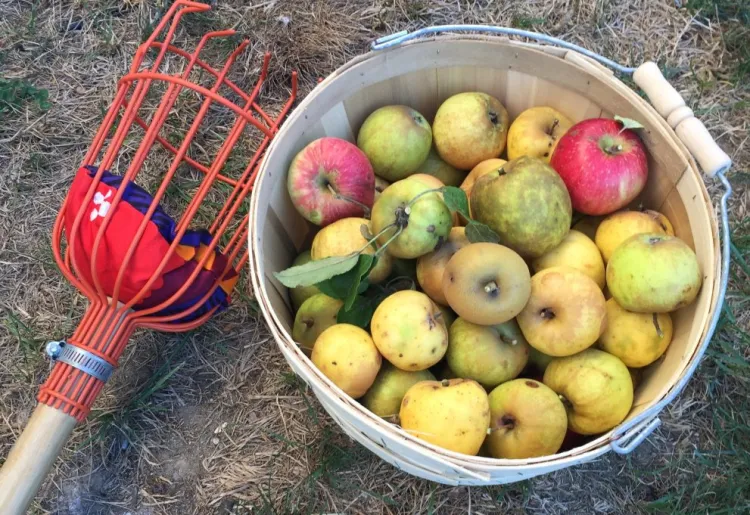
(630,434)
(80,359)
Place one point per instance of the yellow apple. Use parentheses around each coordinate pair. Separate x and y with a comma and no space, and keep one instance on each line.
(453,414)
(576,251)
(527,420)
(566,312)
(638,339)
(430,267)
(596,388)
(536,131)
(343,237)
(620,226)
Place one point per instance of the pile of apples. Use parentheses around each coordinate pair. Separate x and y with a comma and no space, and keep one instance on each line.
(454,292)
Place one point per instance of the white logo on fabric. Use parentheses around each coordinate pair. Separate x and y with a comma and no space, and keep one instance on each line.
(101,201)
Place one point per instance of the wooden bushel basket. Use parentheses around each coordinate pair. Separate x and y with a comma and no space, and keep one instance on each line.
(422,74)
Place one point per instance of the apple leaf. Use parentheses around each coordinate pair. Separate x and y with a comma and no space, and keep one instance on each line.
(360,313)
(455,199)
(317,271)
(627,123)
(365,264)
(339,286)
(478,232)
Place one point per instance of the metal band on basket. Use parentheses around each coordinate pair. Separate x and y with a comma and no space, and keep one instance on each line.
(80,359)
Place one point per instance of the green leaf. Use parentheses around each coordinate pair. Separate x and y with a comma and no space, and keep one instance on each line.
(360,313)
(478,232)
(364,265)
(627,123)
(341,286)
(455,199)
(317,271)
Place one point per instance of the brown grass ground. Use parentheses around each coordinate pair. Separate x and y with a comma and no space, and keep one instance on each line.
(212,421)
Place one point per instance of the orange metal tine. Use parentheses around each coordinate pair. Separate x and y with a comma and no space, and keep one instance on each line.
(158,118)
(194,203)
(124,126)
(137,163)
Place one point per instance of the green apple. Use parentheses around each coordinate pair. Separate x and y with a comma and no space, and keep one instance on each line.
(435,166)
(386,393)
(420,215)
(314,316)
(396,139)
(526,203)
(489,355)
(653,273)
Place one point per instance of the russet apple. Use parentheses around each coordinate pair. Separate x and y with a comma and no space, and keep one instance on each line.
(409,330)
(603,165)
(525,203)
(453,414)
(330,179)
(396,140)
(423,218)
(654,273)
(536,132)
(448,175)
(486,283)
(344,237)
(430,267)
(596,389)
(577,251)
(489,355)
(620,226)
(346,355)
(638,339)
(527,420)
(566,312)
(469,128)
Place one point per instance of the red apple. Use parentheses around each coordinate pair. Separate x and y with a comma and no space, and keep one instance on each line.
(331,179)
(603,166)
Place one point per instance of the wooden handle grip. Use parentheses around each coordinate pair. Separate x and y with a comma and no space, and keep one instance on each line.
(691,131)
(31,458)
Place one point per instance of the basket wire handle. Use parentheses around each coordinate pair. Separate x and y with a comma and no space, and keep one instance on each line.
(713,161)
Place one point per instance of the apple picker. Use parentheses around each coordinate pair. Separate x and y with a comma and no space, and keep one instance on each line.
(117,243)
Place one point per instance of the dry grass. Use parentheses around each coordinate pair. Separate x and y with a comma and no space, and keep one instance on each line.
(212,421)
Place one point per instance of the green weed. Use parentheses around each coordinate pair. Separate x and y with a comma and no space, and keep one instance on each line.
(15,93)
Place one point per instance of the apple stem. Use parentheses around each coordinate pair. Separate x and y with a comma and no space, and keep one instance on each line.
(382,248)
(547,314)
(445,382)
(658,328)
(490,287)
(339,196)
(434,190)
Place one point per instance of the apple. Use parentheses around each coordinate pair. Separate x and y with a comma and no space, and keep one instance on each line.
(483,168)
(396,140)
(430,267)
(577,251)
(603,165)
(662,220)
(595,387)
(469,128)
(527,420)
(525,202)
(566,312)
(410,219)
(453,414)
(448,175)
(654,273)
(536,132)
(620,226)
(330,179)
(380,185)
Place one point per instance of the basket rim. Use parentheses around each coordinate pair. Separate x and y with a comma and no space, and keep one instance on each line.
(286,344)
